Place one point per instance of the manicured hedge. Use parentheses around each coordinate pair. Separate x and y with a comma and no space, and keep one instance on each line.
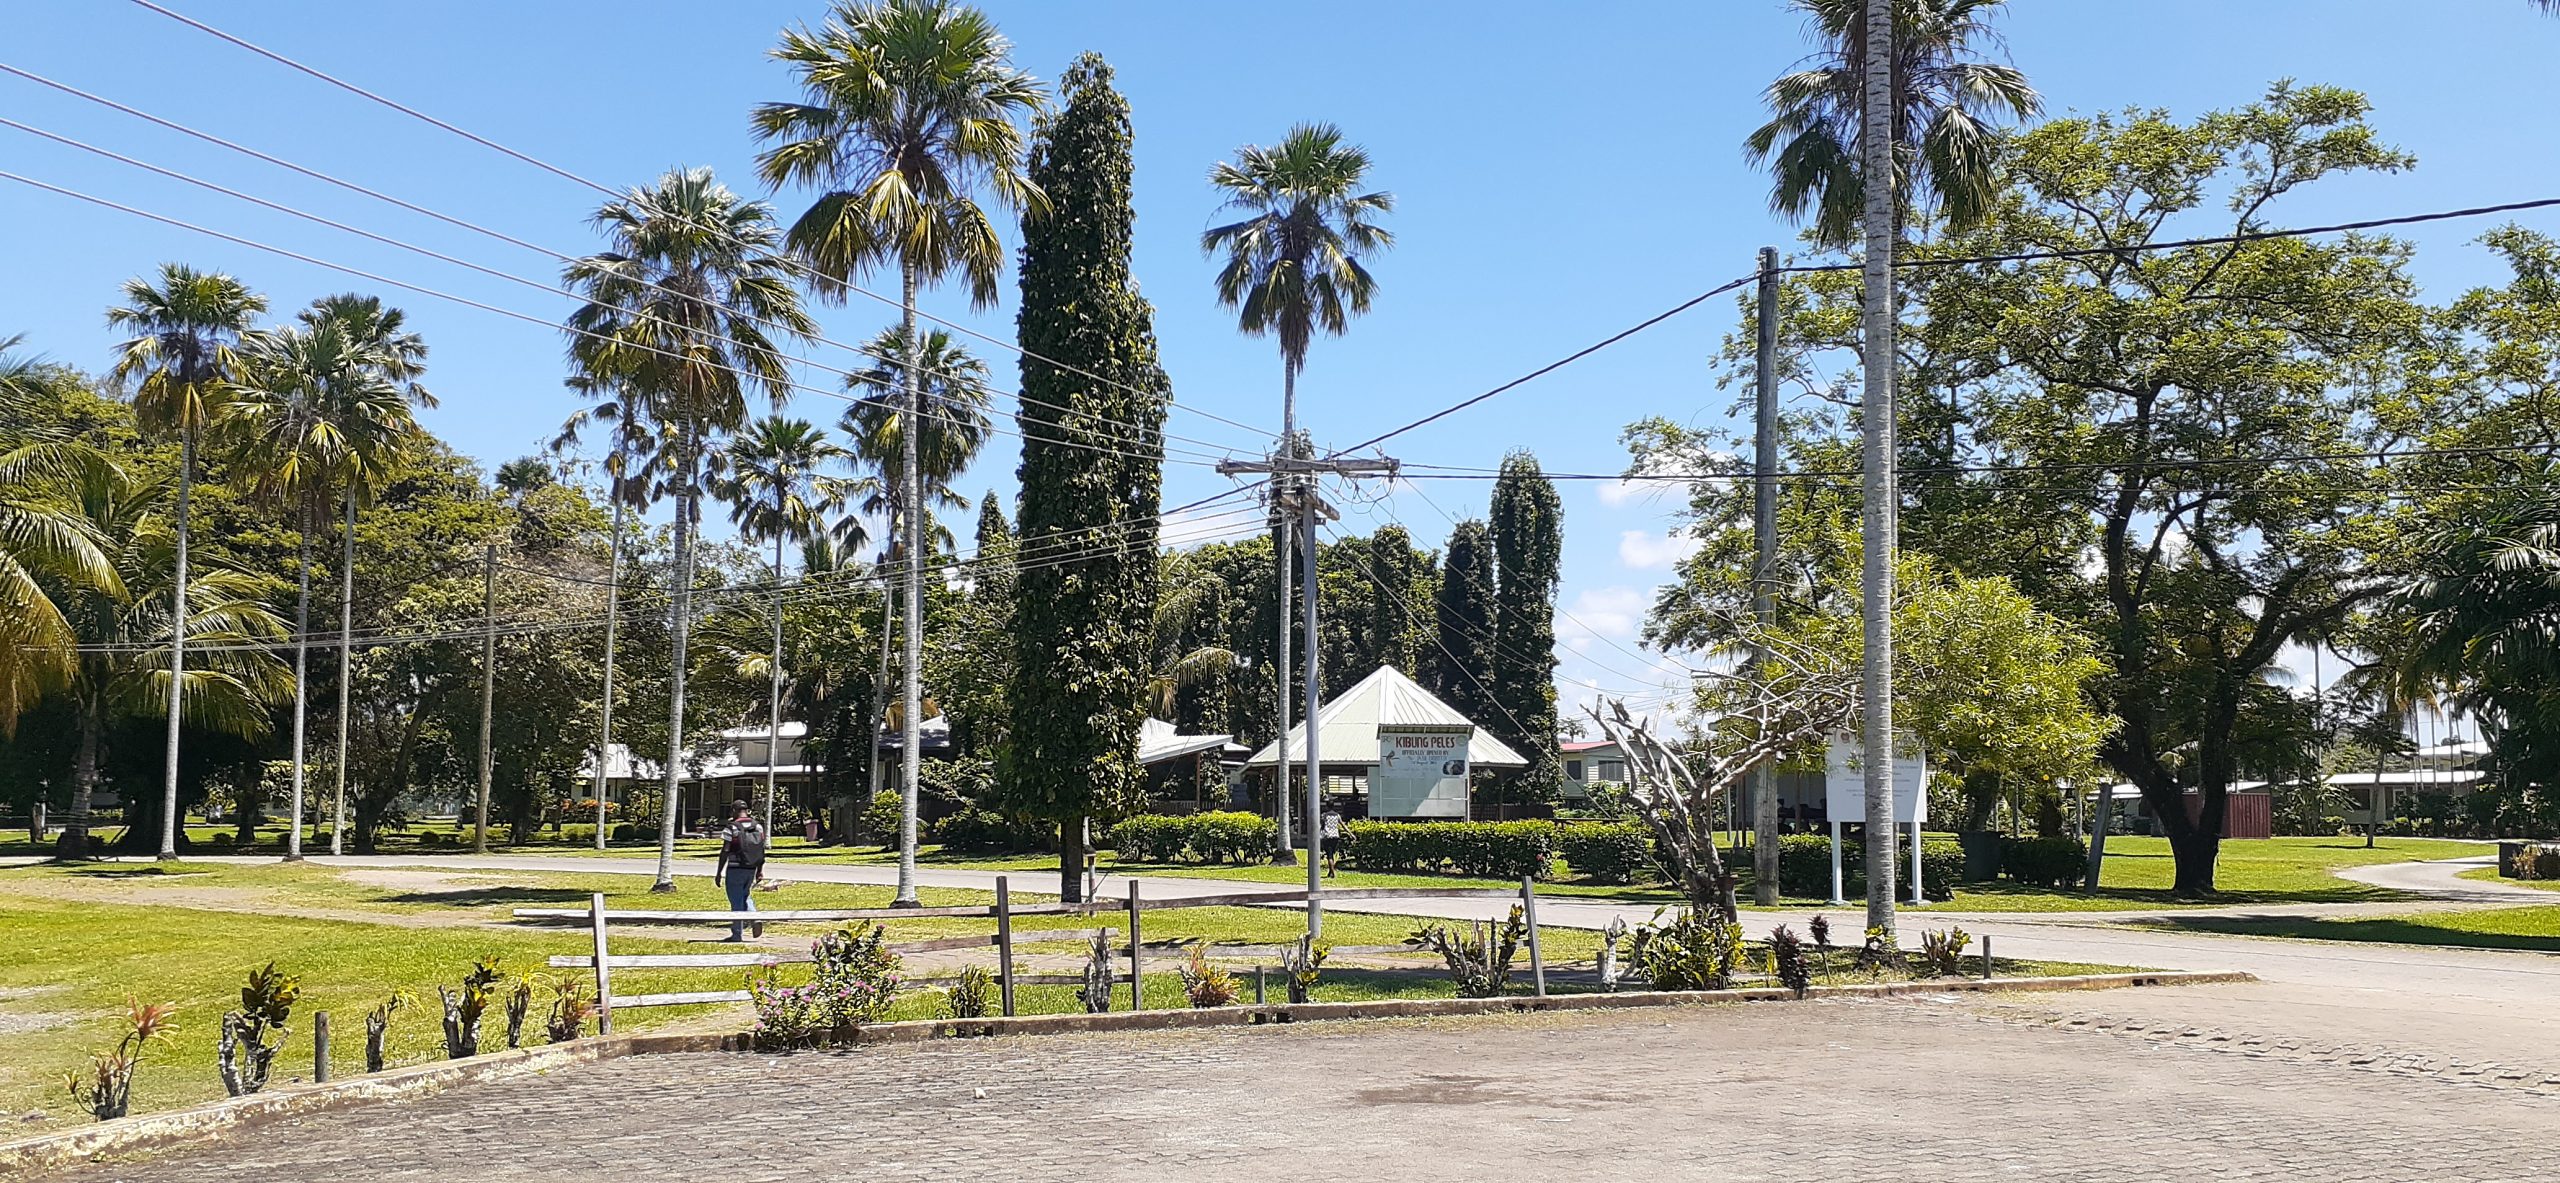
(1609,852)
(1804,866)
(2045,862)
(983,831)
(1490,850)
(1228,837)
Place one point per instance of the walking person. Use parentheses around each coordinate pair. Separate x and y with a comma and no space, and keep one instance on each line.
(1331,828)
(740,865)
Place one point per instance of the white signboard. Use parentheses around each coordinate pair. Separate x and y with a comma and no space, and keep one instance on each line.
(1844,786)
(1420,773)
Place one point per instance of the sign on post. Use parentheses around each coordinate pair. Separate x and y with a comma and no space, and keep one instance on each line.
(1844,793)
(1421,772)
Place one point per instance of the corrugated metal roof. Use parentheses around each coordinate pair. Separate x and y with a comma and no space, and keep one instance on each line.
(1348,726)
(1158,741)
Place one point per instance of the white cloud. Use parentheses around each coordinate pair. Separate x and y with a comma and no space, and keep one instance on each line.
(1644,550)
(1613,612)
(1622,492)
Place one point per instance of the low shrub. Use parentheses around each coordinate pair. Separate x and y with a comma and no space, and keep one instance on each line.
(1688,951)
(983,831)
(1788,962)
(1478,955)
(2057,862)
(1804,866)
(1942,953)
(1606,852)
(880,821)
(1225,837)
(1488,850)
(252,1035)
(1207,985)
(969,997)
(107,1090)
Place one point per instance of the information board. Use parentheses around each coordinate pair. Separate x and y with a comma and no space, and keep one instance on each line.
(1421,772)
(1844,785)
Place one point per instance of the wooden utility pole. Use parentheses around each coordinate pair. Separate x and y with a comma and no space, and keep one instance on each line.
(1294,482)
(488,686)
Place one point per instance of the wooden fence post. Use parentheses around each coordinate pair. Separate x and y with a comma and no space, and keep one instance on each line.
(1004,945)
(320,1047)
(1529,916)
(1986,959)
(604,966)
(1137,979)
(1259,997)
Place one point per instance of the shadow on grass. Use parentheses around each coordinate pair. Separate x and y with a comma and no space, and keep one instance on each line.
(2379,930)
(483,896)
(2344,892)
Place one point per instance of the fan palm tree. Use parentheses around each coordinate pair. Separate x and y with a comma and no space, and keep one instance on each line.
(316,409)
(389,353)
(1944,99)
(184,327)
(234,681)
(1295,265)
(676,319)
(909,111)
(952,428)
(779,491)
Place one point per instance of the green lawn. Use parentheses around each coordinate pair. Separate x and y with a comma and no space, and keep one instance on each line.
(2490,875)
(2532,926)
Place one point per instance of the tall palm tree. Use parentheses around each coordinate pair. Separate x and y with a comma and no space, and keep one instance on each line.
(184,329)
(676,319)
(234,681)
(626,469)
(779,490)
(1896,90)
(908,111)
(952,421)
(1944,99)
(314,409)
(388,352)
(1295,266)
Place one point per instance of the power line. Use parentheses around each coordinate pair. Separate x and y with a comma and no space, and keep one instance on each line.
(608,191)
(527,317)
(1553,366)
(1440,472)
(1219,449)
(1560,608)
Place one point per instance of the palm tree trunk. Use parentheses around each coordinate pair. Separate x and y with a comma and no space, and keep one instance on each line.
(346,666)
(911,738)
(1280,549)
(177,650)
(880,685)
(612,621)
(679,609)
(1875,413)
(301,682)
(84,780)
(773,708)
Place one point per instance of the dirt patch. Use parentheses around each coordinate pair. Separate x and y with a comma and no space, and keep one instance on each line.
(17,1022)
(182,892)
(417,882)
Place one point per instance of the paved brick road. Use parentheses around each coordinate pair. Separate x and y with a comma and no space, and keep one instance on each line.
(1712,1093)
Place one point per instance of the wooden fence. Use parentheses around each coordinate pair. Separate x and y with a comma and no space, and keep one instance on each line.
(603,961)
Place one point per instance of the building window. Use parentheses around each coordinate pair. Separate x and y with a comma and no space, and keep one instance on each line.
(1573,770)
(1613,771)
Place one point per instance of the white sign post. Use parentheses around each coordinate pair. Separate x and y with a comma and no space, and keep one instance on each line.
(1844,792)
(1421,772)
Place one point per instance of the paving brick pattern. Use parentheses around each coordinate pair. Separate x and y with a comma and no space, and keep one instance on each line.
(2396,1058)
(1846,1089)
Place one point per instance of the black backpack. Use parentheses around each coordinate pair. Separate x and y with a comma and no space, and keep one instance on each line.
(746,845)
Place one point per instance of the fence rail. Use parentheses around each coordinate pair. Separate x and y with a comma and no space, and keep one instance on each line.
(599,921)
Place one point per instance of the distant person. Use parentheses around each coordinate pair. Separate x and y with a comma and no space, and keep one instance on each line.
(1331,828)
(741,864)
(809,829)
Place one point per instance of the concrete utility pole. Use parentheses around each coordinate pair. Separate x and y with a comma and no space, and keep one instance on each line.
(1294,482)
(1875,414)
(1764,565)
(488,686)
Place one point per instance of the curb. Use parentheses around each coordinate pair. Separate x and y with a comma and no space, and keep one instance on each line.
(160,1131)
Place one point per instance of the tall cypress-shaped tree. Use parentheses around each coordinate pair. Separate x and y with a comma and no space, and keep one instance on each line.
(1528,546)
(1091,477)
(1461,659)
(1396,619)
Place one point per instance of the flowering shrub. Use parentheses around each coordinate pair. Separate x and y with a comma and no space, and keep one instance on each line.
(1207,985)
(855,980)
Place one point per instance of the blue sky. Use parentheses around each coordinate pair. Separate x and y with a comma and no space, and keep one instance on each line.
(1561,171)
